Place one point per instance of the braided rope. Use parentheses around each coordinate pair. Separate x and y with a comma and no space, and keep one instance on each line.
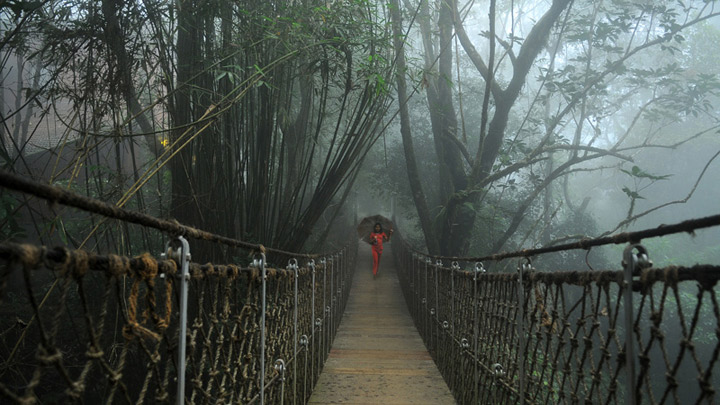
(66,197)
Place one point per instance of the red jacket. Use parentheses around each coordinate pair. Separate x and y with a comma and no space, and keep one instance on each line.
(376,240)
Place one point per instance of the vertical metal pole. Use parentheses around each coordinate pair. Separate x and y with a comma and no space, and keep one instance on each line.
(338,293)
(455,267)
(326,309)
(260,264)
(293,266)
(479,268)
(304,343)
(631,263)
(182,340)
(312,320)
(436,323)
(416,288)
(357,207)
(427,298)
(341,287)
(333,298)
(521,330)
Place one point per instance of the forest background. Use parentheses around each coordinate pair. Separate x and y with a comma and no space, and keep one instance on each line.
(483,125)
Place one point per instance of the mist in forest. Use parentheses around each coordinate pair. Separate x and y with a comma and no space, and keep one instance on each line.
(479,127)
(581,119)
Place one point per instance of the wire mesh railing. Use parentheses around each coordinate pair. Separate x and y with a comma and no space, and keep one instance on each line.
(538,336)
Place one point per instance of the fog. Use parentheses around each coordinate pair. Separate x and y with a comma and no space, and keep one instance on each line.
(480,126)
(655,117)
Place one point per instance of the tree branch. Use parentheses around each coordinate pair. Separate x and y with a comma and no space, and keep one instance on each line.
(633,218)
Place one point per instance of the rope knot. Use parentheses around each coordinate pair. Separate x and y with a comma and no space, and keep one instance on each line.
(118,265)
(80,263)
(57,259)
(76,389)
(48,356)
(148,268)
(30,255)
(94,353)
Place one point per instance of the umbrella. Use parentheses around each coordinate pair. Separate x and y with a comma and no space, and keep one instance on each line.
(367,225)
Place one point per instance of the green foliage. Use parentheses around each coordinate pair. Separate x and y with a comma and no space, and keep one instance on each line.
(10,229)
(638,175)
(683,250)
(641,174)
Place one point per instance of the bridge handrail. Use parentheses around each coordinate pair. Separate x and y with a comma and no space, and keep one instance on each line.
(688,226)
(64,196)
(223,350)
(72,349)
(637,335)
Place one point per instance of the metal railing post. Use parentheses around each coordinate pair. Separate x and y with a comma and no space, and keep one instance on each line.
(326,312)
(293,266)
(436,309)
(455,267)
(521,328)
(312,320)
(304,342)
(183,257)
(333,298)
(259,262)
(426,299)
(632,263)
(416,288)
(479,268)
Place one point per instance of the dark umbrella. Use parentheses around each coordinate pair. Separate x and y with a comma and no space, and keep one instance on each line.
(367,225)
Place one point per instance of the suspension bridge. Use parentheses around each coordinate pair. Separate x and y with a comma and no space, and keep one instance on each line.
(77,326)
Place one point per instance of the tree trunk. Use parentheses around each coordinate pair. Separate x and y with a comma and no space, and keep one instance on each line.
(183,207)
(115,39)
(412,170)
(459,211)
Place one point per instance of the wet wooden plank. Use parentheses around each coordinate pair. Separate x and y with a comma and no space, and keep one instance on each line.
(378,356)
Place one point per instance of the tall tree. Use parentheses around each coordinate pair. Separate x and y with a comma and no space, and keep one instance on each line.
(503,157)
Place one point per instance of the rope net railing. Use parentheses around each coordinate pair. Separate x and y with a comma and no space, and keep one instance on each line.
(538,336)
(108,331)
(76,326)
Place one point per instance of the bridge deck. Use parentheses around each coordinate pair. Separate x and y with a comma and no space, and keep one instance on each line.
(378,356)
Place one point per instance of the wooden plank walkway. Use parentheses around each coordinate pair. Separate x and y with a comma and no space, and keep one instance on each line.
(378,356)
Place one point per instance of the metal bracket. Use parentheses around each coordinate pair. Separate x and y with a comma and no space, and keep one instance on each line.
(497,370)
(479,268)
(280,368)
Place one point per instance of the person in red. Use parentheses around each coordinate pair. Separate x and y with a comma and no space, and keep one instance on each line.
(376,240)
